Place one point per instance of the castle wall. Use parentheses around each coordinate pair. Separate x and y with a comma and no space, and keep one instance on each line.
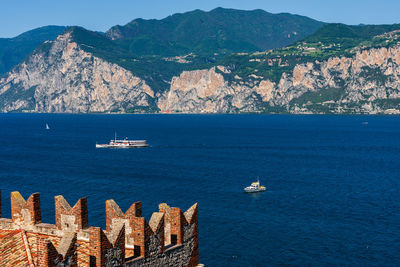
(129,239)
(177,255)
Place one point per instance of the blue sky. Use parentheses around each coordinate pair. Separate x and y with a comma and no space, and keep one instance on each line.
(18,16)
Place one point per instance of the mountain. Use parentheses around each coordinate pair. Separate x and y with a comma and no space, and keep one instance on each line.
(59,76)
(156,70)
(337,69)
(217,31)
(14,50)
(140,46)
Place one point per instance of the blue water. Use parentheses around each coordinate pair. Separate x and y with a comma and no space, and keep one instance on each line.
(333,182)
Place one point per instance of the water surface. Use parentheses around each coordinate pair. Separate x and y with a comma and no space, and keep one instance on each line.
(333,182)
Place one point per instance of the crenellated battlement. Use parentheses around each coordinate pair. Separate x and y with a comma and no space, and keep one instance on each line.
(25,212)
(170,237)
(107,247)
(71,219)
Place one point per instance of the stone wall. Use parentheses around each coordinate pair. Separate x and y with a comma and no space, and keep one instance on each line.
(129,239)
(176,255)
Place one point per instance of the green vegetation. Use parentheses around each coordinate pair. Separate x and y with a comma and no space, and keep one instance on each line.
(374,74)
(332,40)
(19,93)
(155,70)
(143,109)
(274,109)
(157,50)
(388,103)
(221,31)
(14,50)
(329,41)
(321,96)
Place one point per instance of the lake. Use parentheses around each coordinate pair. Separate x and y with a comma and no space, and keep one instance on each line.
(333,182)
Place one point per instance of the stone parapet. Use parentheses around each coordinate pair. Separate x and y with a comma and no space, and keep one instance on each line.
(169,238)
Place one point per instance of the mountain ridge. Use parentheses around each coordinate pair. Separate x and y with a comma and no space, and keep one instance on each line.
(337,69)
(218,29)
(14,50)
(61,77)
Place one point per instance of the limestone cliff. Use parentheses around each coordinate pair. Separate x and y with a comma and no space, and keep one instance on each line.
(206,91)
(61,77)
(368,82)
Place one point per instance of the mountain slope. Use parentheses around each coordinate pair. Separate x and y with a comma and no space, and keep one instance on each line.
(366,83)
(332,40)
(218,31)
(157,71)
(61,77)
(338,69)
(14,50)
(338,72)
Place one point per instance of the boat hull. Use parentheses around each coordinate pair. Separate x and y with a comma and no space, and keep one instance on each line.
(121,146)
(255,190)
(123,143)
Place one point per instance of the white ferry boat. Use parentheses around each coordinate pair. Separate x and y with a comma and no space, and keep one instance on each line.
(124,143)
(255,187)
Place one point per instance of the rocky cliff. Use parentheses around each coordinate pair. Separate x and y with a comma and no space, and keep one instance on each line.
(365,83)
(368,82)
(206,91)
(61,77)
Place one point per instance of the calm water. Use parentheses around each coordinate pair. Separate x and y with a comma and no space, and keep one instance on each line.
(333,182)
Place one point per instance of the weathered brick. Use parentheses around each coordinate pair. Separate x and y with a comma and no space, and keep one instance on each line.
(25,212)
(72,219)
(71,238)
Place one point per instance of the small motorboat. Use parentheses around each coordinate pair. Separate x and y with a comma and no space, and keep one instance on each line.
(255,187)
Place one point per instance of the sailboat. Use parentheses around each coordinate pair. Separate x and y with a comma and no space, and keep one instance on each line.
(47,127)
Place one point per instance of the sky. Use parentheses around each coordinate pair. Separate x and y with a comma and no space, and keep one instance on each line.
(18,16)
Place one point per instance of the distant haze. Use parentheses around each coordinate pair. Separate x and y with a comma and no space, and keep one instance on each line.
(20,16)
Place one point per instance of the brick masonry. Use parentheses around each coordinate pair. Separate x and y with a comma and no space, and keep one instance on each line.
(170,238)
